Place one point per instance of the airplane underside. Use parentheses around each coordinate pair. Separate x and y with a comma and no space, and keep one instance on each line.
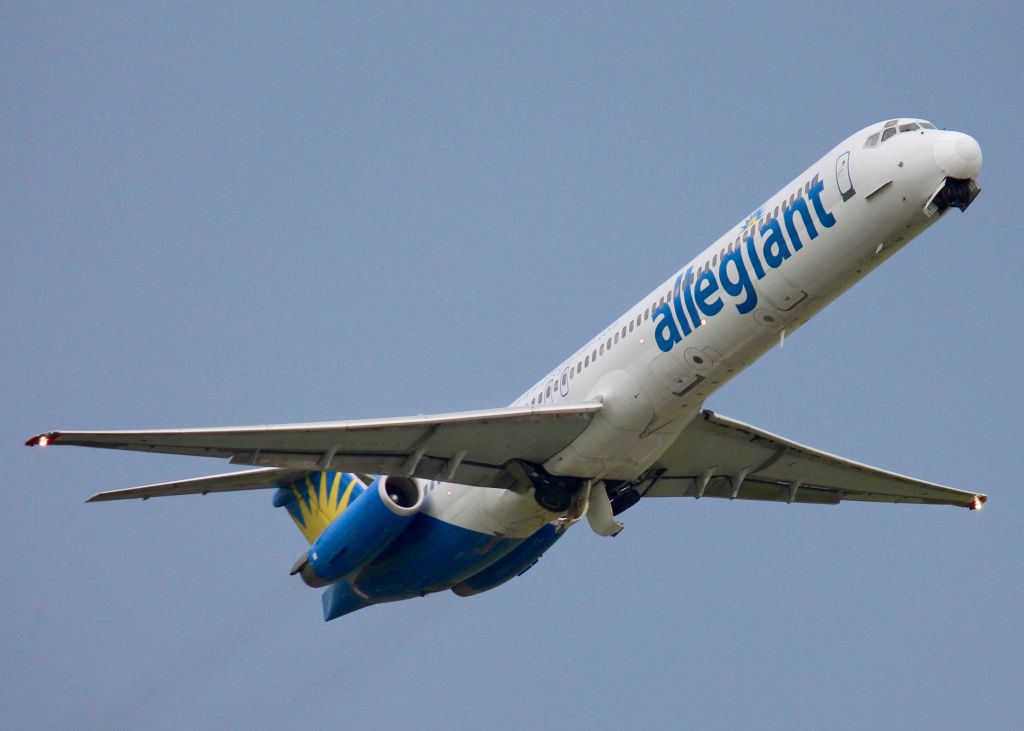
(435,556)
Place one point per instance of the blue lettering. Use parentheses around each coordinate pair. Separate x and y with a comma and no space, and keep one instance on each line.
(799,206)
(755,261)
(692,300)
(688,298)
(741,284)
(665,332)
(707,285)
(824,217)
(774,247)
(677,304)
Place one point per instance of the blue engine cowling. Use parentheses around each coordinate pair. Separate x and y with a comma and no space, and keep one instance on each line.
(363,531)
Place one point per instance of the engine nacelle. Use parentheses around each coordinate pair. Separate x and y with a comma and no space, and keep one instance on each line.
(363,531)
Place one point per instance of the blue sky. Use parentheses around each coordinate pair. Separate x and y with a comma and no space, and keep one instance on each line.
(271,213)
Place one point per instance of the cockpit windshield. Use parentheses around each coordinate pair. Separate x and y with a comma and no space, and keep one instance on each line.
(893,128)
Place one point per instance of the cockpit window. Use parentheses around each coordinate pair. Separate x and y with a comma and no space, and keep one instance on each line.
(891,128)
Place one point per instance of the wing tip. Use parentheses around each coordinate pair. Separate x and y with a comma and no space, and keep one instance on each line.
(43,440)
(978,502)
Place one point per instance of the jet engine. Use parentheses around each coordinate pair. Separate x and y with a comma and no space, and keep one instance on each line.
(362,532)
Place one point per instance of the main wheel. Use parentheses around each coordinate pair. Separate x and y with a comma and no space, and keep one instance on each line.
(554,498)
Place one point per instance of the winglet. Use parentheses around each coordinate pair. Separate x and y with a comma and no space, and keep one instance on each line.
(43,440)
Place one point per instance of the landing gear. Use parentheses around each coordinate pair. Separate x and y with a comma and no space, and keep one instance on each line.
(554,494)
(554,498)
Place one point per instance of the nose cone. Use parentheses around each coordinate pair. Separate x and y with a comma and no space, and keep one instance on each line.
(958,155)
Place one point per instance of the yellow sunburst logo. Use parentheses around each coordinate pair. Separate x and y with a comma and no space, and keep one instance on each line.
(321,497)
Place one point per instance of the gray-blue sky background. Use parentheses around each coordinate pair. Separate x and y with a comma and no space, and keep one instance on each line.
(272,213)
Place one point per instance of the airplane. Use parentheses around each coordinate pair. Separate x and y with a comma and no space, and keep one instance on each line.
(400,508)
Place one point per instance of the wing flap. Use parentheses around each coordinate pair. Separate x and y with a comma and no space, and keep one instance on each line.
(230,482)
(470,447)
(720,457)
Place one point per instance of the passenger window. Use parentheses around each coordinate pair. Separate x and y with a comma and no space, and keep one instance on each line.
(776,213)
(623,331)
(631,326)
(600,351)
(533,401)
(889,132)
(609,343)
(647,314)
(715,261)
(638,320)
(565,379)
(593,356)
(547,391)
(616,338)
(586,361)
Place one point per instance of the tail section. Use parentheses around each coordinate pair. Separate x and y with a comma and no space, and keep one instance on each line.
(317,498)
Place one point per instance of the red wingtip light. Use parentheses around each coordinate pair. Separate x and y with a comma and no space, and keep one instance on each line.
(979,502)
(41,440)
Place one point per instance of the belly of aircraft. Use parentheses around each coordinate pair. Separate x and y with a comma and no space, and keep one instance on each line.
(432,555)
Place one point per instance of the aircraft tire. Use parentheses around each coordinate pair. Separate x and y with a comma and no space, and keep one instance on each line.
(553,498)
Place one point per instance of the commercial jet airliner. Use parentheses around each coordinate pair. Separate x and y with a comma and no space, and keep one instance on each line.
(400,508)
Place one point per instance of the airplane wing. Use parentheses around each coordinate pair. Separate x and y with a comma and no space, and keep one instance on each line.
(720,457)
(469,447)
(230,482)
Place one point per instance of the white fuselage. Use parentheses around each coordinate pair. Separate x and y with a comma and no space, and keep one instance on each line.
(654,366)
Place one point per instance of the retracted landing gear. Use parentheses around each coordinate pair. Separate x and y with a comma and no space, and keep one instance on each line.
(573,498)
(554,494)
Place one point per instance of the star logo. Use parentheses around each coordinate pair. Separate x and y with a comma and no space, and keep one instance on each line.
(753,218)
